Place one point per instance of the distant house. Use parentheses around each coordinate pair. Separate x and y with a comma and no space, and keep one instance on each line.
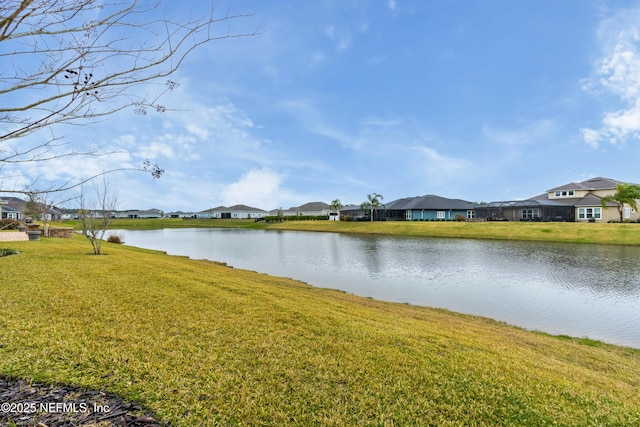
(14,208)
(8,212)
(232,212)
(180,214)
(149,213)
(308,209)
(576,201)
(353,212)
(429,208)
(420,208)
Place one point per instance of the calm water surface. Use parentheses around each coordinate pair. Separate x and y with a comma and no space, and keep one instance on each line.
(579,290)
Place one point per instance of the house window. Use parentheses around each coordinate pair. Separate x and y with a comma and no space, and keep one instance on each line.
(440,214)
(471,214)
(588,213)
(407,214)
(565,193)
(529,213)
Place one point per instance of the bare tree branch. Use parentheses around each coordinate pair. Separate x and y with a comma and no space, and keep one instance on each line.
(78,61)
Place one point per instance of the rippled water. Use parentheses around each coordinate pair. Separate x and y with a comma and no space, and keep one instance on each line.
(580,290)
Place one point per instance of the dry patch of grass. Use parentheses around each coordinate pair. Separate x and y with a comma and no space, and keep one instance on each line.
(200,344)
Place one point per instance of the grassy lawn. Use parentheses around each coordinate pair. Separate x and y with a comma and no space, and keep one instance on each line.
(203,344)
(571,232)
(158,223)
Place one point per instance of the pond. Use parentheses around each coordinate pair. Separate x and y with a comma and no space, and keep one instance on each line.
(579,290)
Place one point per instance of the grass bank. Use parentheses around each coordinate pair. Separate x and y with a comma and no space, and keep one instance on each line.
(203,344)
(158,223)
(568,232)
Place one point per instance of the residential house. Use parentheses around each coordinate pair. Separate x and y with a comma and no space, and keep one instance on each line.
(8,212)
(180,214)
(14,208)
(308,209)
(429,208)
(232,212)
(354,212)
(420,208)
(576,201)
(149,213)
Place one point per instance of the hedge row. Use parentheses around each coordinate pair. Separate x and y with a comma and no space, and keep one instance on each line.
(275,218)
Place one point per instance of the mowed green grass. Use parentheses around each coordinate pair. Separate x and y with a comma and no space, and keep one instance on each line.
(202,344)
(568,232)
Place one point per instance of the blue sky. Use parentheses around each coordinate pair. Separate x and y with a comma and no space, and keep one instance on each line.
(478,100)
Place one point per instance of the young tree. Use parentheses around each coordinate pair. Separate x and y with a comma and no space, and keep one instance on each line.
(33,207)
(335,206)
(39,208)
(97,215)
(77,61)
(625,194)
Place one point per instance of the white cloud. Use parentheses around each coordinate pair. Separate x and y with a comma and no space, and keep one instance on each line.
(591,137)
(261,187)
(441,168)
(617,73)
(391,4)
(197,130)
(155,150)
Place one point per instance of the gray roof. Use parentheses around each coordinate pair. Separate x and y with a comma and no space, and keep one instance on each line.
(245,208)
(311,206)
(429,202)
(216,209)
(8,208)
(597,183)
(592,200)
(242,208)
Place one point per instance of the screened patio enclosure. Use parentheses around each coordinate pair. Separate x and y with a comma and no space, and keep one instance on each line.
(525,210)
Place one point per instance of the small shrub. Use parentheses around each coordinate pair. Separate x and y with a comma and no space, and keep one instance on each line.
(115,238)
(459,217)
(7,252)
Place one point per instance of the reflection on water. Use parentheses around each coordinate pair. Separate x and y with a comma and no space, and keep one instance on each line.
(579,290)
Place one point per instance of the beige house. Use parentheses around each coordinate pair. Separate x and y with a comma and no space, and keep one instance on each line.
(576,201)
(587,196)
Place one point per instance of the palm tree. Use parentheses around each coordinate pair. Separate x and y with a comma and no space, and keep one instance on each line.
(625,193)
(336,206)
(374,202)
(366,206)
